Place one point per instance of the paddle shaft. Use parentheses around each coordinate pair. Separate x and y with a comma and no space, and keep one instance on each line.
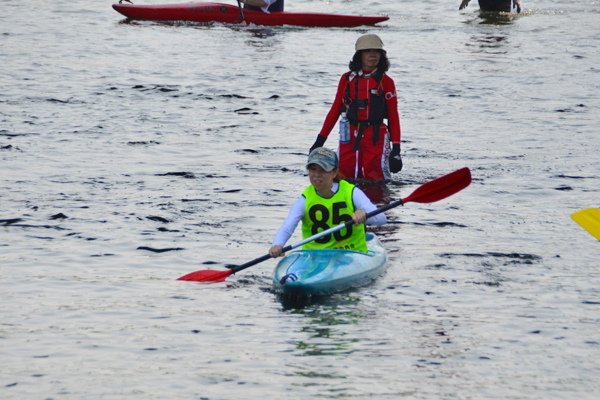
(241,11)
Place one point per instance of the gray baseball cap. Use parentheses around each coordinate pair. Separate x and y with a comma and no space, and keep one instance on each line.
(325,158)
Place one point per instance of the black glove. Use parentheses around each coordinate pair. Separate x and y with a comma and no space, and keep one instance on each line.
(395,160)
(318,143)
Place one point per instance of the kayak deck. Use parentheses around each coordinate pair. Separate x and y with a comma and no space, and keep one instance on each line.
(217,12)
(323,272)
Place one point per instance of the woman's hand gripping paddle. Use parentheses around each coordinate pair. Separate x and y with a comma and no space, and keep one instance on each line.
(589,219)
(429,192)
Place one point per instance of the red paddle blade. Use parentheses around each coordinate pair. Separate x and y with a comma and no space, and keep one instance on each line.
(441,187)
(207,275)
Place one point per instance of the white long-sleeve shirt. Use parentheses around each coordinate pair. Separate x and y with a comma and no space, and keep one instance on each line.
(361,202)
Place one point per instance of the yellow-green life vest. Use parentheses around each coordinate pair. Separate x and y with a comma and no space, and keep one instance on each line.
(322,214)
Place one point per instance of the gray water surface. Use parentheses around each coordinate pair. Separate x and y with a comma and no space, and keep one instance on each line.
(132,153)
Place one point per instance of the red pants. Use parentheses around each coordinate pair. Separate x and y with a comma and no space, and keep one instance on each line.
(370,161)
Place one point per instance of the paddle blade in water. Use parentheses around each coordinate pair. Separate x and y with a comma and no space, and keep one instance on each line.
(441,187)
(589,219)
(207,275)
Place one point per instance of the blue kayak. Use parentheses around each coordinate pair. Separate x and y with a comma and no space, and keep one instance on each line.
(323,272)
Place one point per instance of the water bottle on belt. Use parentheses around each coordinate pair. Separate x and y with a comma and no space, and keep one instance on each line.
(344,129)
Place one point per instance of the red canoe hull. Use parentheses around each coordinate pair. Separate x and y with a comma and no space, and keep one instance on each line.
(217,12)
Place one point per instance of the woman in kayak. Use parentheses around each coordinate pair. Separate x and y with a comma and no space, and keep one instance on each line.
(263,5)
(367,96)
(326,203)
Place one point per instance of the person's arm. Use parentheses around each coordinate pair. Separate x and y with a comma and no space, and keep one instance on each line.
(391,101)
(336,109)
(288,227)
(332,116)
(362,202)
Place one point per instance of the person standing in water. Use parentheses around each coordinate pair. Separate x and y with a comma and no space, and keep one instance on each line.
(366,96)
(494,5)
(326,203)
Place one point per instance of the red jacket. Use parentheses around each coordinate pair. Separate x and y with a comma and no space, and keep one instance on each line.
(364,86)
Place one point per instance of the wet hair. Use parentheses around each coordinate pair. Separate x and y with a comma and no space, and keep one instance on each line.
(356,63)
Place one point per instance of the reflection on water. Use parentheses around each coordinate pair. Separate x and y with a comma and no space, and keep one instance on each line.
(127,21)
(492,40)
(491,44)
(377,191)
(493,18)
(325,318)
(296,304)
(262,33)
(497,18)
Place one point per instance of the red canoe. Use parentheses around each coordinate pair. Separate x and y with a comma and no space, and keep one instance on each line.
(217,12)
